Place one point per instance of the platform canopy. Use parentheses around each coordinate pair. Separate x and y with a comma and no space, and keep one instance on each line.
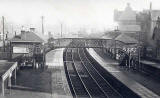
(7,70)
(111,35)
(126,39)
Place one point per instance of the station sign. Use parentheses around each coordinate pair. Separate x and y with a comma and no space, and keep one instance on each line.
(20,50)
(130,50)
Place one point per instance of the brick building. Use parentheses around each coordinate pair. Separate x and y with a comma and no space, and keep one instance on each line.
(139,25)
(26,45)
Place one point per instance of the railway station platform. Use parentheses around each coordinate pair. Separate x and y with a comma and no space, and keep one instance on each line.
(150,67)
(54,62)
(140,84)
(150,63)
(41,83)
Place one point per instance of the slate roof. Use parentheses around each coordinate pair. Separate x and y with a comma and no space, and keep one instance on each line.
(27,37)
(4,67)
(126,39)
(111,35)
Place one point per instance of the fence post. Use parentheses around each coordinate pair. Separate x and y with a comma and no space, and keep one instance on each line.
(129,65)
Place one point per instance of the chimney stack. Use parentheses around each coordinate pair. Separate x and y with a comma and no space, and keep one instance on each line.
(22,31)
(32,30)
(150,6)
(15,33)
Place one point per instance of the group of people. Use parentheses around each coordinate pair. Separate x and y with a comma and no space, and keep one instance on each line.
(124,59)
(128,61)
(37,61)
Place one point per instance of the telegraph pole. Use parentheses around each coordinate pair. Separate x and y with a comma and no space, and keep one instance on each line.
(3,34)
(42,25)
(61,30)
(12,28)
(139,52)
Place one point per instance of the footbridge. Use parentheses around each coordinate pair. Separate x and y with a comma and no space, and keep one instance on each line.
(79,42)
(124,52)
(115,47)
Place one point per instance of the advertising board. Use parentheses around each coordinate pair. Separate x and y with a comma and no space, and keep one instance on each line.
(20,50)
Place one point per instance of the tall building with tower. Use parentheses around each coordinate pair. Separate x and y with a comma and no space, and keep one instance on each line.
(142,23)
(127,20)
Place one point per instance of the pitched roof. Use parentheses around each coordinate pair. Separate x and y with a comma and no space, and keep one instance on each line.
(27,36)
(126,39)
(111,35)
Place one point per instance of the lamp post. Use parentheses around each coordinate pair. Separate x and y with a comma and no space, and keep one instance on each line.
(139,53)
(42,24)
(61,29)
(3,34)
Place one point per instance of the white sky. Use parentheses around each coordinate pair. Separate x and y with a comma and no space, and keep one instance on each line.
(71,13)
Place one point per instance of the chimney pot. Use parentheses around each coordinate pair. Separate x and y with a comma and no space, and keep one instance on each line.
(32,29)
(22,31)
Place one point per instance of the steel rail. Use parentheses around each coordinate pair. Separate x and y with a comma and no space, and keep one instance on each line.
(101,75)
(69,74)
(81,79)
(92,76)
(71,80)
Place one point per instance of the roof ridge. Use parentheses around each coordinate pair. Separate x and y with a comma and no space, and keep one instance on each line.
(126,38)
(28,37)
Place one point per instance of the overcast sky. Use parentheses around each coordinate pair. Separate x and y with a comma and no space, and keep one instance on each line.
(71,13)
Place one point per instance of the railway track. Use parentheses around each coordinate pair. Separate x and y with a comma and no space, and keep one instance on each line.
(85,81)
(77,87)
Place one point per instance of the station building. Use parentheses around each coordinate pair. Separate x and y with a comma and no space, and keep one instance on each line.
(28,46)
(25,49)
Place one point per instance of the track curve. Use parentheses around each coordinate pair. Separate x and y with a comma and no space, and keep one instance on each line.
(85,80)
